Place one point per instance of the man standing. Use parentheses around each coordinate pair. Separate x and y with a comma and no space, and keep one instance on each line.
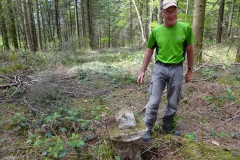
(171,41)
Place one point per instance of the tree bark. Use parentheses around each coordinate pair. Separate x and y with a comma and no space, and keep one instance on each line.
(44,36)
(4,30)
(220,22)
(38,26)
(26,25)
(12,27)
(57,19)
(160,19)
(131,23)
(198,27)
(88,24)
(187,5)
(147,21)
(230,19)
(238,51)
(76,18)
(109,25)
(83,18)
(140,23)
(33,28)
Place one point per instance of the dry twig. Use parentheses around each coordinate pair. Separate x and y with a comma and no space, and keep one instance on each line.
(227,121)
(30,107)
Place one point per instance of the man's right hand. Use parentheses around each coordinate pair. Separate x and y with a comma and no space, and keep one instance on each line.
(140,78)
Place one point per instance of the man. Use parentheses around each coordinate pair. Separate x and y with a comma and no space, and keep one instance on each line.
(171,40)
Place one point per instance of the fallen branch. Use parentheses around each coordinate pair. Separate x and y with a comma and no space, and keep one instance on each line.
(8,85)
(172,153)
(5,77)
(148,149)
(227,121)
(31,108)
(201,66)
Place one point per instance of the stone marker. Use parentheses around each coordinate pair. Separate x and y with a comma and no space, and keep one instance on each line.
(125,119)
(126,134)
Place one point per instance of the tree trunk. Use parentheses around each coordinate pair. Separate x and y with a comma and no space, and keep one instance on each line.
(70,20)
(49,28)
(38,26)
(220,22)
(26,25)
(131,23)
(160,19)
(83,18)
(147,21)
(140,23)
(198,27)
(4,30)
(238,51)
(187,5)
(109,25)
(43,27)
(230,19)
(76,17)
(88,24)
(57,19)
(33,28)
(12,27)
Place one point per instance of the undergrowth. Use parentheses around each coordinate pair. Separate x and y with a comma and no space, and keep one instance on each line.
(72,127)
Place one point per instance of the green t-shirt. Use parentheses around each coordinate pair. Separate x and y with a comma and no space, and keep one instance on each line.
(170,43)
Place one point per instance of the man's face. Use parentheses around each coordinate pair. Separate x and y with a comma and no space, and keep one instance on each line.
(170,16)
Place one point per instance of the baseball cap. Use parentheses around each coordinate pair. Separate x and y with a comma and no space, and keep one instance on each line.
(168,3)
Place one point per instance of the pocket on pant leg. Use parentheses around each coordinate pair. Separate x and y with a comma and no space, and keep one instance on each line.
(180,95)
(150,88)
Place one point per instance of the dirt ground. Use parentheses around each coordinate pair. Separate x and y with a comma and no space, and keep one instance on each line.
(208,114)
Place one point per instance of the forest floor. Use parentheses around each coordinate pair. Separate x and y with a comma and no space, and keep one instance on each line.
(60,113)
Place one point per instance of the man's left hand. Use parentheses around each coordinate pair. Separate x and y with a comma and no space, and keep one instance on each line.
(189,76)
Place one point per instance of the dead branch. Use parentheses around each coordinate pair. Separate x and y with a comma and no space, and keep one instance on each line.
(227,121)
(5,77)
(30,107)
(8,85)
(12,82)
(201,66)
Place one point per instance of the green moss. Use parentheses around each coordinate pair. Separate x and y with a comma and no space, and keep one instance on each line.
(114,131)
(194,150)
(237,95)
(12,68)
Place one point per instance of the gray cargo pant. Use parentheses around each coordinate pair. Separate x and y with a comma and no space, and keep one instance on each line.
(170,76)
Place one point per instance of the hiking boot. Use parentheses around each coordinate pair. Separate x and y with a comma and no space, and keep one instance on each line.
(147,136)
(169,130)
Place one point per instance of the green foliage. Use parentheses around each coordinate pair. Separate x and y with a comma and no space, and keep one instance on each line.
(190,136)
(208,72)
(222,134)
(154,24)
(104,40)
(175,121)
(12,68)
(19,120)
(115,75)
(75,142)
(104,150)
(54,146)
(52,149)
